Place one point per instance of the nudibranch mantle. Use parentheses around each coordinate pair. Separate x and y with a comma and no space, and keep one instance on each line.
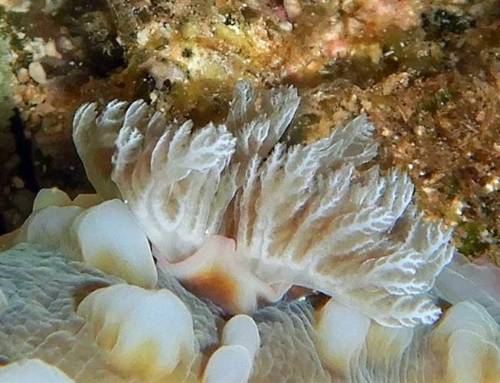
(260,216)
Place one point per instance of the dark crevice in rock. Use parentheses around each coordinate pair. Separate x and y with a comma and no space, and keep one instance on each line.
(24,149)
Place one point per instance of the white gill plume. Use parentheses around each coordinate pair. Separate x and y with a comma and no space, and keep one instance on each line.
(238,216)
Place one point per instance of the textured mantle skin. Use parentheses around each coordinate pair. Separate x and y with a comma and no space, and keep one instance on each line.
(42,289)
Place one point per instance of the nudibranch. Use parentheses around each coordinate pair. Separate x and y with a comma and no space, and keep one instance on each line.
(239,217)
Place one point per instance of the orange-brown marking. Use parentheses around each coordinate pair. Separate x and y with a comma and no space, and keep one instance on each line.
(216,285)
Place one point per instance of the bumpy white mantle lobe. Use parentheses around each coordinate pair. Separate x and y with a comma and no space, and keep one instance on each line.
(239,217)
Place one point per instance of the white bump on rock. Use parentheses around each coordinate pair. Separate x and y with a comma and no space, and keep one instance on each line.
(340,332)
(148,334)
(32,371)
(466,340)
(50,197)
(37,72)
(229,364)
(112,242)
(242,330)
